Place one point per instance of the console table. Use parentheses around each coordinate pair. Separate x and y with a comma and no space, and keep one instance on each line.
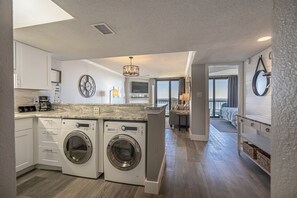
(186,115)
(254,139)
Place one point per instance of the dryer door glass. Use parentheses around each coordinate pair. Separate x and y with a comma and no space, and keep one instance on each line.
(77,147)
(123,152)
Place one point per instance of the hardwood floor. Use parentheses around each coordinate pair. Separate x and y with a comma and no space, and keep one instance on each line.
(193,170)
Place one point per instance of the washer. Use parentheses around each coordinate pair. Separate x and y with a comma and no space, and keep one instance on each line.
(125,152)
(80,148)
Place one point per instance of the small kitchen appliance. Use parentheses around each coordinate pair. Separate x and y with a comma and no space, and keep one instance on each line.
(44,103)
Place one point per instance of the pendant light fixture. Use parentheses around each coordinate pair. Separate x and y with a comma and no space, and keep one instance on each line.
(130,70)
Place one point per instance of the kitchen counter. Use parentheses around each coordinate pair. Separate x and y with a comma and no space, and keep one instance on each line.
(85,115)
(106,112)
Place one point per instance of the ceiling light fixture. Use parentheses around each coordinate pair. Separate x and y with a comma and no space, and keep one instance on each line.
(130,70)
(265,38)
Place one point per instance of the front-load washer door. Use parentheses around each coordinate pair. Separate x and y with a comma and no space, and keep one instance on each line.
(123,152)
(77,147)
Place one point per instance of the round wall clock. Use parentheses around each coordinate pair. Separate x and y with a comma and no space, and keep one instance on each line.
(87,86)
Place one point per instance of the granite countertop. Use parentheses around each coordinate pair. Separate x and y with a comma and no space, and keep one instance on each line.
(83,115)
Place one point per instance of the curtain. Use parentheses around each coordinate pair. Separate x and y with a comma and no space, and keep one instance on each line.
(232,91)
(181,88)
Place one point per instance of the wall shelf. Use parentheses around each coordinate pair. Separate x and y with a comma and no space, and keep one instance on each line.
(260,136)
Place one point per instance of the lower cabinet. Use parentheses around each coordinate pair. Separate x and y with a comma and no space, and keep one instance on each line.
(49,132)
(23,143)
(49,156)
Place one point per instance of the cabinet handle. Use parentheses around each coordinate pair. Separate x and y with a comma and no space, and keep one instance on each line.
(267,130)
(49,150)
(241,120)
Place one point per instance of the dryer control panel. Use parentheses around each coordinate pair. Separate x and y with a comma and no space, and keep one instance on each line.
(124,127)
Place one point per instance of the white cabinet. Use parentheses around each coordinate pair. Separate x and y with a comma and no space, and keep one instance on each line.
(49,132)
(32,67)
(23,143)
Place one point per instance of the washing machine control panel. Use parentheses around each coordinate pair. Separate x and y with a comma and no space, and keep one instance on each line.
(133,129)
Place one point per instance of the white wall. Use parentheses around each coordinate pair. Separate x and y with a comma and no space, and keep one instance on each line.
(284,103)
(105,81)
(7,145)
(256,105)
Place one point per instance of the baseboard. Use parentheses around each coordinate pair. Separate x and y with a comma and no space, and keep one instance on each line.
(24,171)
(198,137)
(48,167)
(153,187)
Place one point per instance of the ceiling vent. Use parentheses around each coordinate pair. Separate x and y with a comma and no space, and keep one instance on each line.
(103,29)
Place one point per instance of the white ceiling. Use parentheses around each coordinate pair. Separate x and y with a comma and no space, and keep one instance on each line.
(35,12)
(223,70)
(219,30)
(152,66)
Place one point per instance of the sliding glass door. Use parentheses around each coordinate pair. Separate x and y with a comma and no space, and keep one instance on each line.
(167,93)
(218,95)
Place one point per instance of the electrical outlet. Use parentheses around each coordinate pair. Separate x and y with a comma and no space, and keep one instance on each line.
(35,100)
(96,110)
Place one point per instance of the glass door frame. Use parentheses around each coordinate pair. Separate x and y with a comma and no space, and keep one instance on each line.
(169,80)
(214,78)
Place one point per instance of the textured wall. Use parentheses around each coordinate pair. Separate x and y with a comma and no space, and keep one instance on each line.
(259,105)
(284,100)
(198,102)
(7,160)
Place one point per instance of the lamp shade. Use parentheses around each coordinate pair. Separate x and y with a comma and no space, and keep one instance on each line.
(186,97)
(181,97)
(115,92)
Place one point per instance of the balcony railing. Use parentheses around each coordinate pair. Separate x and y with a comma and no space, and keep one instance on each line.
(218,106)
(174,102)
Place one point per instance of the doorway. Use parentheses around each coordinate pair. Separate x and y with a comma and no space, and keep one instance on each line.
(218,95)
(167,92)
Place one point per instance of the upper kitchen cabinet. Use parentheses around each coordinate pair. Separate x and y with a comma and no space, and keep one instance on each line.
(32,67)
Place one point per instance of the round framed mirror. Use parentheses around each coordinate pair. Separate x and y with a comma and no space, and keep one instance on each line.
(261,83)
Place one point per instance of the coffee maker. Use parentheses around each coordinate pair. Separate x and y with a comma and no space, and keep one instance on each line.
(44,103)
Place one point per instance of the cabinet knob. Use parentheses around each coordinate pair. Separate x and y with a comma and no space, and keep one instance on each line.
(241,120)
(252,124)
(267,130)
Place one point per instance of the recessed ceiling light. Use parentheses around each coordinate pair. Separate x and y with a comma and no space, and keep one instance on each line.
(37,12)
(265,38)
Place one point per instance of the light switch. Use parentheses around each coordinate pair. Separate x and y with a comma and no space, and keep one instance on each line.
(199,94)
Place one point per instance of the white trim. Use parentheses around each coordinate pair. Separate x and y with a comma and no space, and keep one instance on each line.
(198,137)
(190,59)
(153,187)
(102,67)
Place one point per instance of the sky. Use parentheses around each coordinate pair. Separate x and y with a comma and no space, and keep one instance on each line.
(163,89)
(221,88)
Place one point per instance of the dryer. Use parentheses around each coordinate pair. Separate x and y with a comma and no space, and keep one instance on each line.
(125,152)
(79,148)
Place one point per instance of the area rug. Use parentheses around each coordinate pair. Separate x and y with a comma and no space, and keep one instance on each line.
(223,125)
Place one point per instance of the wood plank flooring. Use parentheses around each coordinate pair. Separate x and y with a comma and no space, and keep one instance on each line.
(193,170)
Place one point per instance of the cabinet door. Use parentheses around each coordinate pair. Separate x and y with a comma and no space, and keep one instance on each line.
(32,67)
(24,149)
